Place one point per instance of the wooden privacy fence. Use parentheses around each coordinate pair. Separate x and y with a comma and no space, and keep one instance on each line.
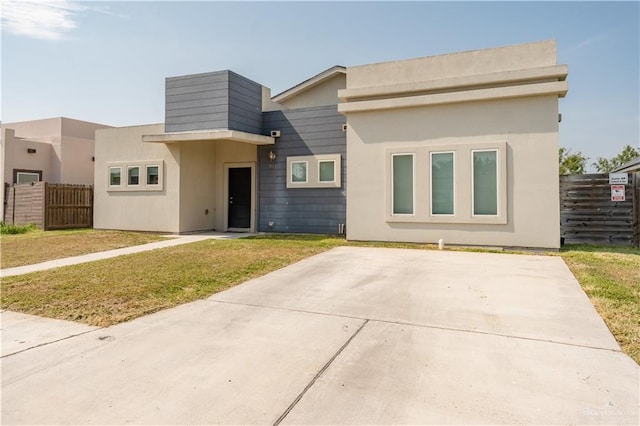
(587,214)
(49,206)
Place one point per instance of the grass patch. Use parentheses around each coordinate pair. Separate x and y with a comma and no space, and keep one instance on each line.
(611,278)
(40,246)
(6,228)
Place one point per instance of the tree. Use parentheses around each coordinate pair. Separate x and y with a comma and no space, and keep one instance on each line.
(571,163)
(604,165)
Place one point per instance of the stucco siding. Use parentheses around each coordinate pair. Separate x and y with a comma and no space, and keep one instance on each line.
(197,186)
(528,126)
(136,210)
(304,132)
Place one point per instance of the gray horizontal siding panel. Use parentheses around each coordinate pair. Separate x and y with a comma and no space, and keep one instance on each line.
(181,90)
(198,119)
(305,131)
(197,79)
(216,95)
(301,230)
(206,125)
(197,102)
(181,112)
(305,121)
(245,104)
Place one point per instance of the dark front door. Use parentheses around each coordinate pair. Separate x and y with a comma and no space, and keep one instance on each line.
(239,197)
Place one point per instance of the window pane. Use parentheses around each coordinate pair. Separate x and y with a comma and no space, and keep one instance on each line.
(27,177)
(152,175)
(134,176)
(485,183)
(327,171)
(402,184)
(442,183)
(114,176)
(299,172)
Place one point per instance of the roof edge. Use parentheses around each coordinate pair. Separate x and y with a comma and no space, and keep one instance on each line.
(309,83)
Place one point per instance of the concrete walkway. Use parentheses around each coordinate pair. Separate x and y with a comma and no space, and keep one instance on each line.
(172,240)
(350,336)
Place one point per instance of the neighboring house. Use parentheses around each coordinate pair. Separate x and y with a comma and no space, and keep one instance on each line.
(461,147)
(55,150)
(631,166)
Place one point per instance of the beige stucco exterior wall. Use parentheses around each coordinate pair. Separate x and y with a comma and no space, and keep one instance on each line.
(499,59)
(197,186)
(325,93)
(64,151)
(529,127)
(15,156)
(526,125)
(194,194)
(136,210)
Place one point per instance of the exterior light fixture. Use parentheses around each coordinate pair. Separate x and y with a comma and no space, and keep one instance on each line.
(31,150)
(272,156)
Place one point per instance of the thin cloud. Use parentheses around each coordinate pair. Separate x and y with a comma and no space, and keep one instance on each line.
(44,20)
(589,41)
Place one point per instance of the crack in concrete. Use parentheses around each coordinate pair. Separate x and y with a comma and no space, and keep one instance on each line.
(51,342)
(436,327)
(318,374)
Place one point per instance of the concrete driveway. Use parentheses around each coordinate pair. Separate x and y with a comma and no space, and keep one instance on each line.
(351,336)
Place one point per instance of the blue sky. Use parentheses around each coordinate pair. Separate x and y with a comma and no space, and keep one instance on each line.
(107,61)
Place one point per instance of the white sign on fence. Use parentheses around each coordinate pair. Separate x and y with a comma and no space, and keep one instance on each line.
(618,178)
(617,193)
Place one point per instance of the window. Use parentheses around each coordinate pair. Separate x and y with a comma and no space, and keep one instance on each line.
(327,171)
(299,171)
(153,174)
(27,177)
(402,188)
(133,175)
(442,183)
(115,174)
(140,176)
(485,183)
(449,183)
(314,171)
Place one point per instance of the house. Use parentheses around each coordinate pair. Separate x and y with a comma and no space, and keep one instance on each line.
(631,166)
(55,150)
(461,147)
(59,150)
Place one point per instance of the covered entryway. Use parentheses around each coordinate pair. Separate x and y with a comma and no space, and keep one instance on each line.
(217,178)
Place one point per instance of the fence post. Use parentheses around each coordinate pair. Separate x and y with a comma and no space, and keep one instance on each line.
(45,208)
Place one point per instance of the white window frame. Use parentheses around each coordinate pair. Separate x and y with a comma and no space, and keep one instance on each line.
(19,174)
(463,184)
(109,176)
(313,171)
(413,186)
(430,189)
(498,178)
(335,172)
(146,175)
(133,185)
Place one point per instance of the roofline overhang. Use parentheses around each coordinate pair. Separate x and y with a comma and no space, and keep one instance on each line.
(631,166)
(558,88)
(210,135)
(309,83)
